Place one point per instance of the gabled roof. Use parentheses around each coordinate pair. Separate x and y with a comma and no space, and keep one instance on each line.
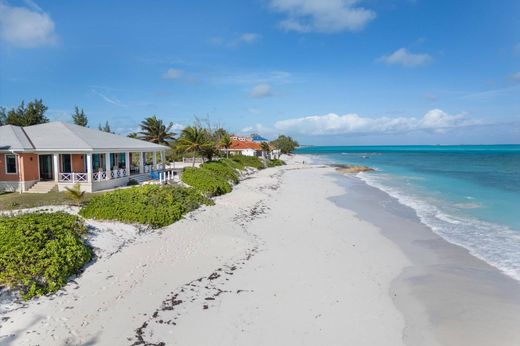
(13,138)
(58,136)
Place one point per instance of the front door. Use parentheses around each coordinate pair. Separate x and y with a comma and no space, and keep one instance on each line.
(46,167)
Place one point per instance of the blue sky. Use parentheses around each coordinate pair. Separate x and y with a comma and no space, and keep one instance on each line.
(325,72)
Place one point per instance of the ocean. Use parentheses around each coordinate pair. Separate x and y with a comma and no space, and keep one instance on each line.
(469,195)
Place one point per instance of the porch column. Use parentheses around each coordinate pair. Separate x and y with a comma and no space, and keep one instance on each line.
(107,164)
(141,162)
(127,163)
(89,167)
(56,166)
(154,160)
(163,159)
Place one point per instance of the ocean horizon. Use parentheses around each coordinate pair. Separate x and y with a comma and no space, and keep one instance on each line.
(467,194)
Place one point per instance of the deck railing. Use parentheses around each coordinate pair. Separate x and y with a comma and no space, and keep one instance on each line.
(73,177)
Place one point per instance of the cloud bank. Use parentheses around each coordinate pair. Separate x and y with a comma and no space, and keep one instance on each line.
(405,58)
(26,27)
(322,16)
(435,120)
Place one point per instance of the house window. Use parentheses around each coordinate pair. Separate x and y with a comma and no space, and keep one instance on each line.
(10,164)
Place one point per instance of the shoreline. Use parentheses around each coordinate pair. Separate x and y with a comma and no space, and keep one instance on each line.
(446,292)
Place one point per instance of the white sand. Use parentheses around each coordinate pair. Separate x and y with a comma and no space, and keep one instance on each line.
(273,263)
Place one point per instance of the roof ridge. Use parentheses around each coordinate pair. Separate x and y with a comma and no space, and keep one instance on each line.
(27,136)
(66,125)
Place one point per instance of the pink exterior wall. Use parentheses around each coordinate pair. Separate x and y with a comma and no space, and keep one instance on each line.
(28,164)
(77,163)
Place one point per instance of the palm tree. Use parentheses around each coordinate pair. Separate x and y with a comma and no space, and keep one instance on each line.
(132,135)
(155,131)
(75,194)
(193,139)
(226,142)
(266,149)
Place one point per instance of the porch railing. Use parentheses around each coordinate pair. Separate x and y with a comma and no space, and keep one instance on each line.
(73,177)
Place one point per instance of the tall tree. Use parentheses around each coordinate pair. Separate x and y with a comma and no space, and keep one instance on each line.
(266,148)
(226,142)
(285,144)
(193,139)
(155,131)
(3,116)
(105,128)
(33,114)
(79,117)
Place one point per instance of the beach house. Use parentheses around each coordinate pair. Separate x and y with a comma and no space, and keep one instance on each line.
(42,157)
(247,146)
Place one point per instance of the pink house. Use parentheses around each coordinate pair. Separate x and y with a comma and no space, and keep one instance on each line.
(56,155)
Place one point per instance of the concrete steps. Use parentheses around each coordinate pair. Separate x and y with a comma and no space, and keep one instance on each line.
(42,187)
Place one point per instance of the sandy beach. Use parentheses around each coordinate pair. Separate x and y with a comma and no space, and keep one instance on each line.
(287,258)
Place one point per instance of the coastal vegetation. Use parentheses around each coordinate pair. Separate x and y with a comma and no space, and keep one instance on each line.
(285,144)
(275,163)
(156,206)
(40,251)
(206,181)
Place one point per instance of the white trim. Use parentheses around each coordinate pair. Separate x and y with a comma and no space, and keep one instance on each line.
(15,164)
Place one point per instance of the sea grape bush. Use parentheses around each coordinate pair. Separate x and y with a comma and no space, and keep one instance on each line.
(206,181)
(153,205)
(40,251)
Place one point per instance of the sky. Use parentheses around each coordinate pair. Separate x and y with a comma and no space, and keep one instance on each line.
(333,72)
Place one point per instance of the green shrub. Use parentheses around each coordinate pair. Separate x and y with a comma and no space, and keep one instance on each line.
(232,164)
(132,182)
(205,181)
(153,205)
(275,163)
(249,161)
(40,251)
(222,169)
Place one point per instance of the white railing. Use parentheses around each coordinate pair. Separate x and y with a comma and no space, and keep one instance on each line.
(99,176)
(73,177)
(168,176)
(118,173)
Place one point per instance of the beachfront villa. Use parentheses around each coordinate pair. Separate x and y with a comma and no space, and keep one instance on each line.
(248,146)
(43,157)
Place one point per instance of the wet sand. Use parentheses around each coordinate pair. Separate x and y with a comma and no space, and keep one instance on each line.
(448,297)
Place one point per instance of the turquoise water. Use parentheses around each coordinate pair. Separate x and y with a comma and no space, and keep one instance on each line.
(470,195)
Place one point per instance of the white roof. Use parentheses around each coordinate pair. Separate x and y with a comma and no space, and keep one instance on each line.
(58,136)
(13,138)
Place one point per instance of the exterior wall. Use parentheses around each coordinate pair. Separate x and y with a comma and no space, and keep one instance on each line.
(4,177)
(78,163)
(29,167)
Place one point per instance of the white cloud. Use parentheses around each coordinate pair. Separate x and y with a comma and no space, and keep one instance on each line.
(435,120)
(322,16)
(245,38)
(249,37)
(516,76)
(261,91)
(172,73)
(405,58)
(26,27)
(111,100)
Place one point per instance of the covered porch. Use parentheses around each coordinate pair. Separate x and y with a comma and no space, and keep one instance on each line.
(96,171)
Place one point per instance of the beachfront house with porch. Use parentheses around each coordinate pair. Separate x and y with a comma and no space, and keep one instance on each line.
(247,146)
(42,157)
